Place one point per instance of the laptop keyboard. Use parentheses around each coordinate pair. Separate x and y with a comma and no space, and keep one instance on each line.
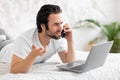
(75,63)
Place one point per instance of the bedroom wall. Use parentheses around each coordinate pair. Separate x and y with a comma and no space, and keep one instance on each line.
(17,16)
(108,8)
(117,8)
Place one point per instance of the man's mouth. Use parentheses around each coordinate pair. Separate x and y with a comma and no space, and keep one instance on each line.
(58,33)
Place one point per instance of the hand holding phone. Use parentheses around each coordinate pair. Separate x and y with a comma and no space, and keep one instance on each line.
(63,33)
(65,30)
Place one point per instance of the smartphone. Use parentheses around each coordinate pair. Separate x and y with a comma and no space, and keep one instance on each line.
(63,33)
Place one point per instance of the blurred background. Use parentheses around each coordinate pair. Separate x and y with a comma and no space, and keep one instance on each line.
(17,16)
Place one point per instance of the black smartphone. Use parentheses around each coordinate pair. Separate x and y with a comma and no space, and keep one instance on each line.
(63,33)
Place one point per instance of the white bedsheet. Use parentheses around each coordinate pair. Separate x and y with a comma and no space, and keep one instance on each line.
(49,71)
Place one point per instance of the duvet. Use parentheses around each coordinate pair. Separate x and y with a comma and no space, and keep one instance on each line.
(48,70)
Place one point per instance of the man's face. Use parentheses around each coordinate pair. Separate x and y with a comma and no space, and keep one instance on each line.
(55,25)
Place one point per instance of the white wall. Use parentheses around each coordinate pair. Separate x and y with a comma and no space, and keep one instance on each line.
(108,8)
(17,16)
(117,8)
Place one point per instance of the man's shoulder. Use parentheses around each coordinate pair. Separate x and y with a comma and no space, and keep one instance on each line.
(29,32)
(27,35)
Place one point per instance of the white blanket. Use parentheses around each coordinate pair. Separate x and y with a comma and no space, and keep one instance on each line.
(48,71)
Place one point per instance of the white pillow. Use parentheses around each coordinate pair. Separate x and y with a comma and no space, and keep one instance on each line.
(2,37)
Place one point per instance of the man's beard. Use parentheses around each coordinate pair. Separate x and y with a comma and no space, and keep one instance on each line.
(52,35)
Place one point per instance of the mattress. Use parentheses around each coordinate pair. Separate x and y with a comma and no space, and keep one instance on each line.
(48,71)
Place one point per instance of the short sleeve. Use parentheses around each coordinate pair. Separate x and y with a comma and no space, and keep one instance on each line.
(21,47)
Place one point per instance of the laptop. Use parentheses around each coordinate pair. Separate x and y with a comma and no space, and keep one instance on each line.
(96,58)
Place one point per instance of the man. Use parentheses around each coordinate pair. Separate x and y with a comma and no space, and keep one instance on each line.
(39,44)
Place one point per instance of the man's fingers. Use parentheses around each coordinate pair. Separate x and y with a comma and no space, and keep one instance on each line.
(34,46)
(66,28)
(65,25)
(39,51)
(42,51)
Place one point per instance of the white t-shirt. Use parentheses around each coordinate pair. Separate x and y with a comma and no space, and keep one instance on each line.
(6,53)
(23,45)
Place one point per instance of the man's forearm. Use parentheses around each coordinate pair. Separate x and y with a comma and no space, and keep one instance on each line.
(24,65)
(71,52)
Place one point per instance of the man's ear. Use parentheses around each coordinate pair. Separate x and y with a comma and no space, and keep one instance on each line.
(43,26)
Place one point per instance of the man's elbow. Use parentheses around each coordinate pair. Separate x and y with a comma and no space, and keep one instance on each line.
(12,70)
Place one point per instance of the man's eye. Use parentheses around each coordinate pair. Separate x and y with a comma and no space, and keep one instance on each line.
(56,24)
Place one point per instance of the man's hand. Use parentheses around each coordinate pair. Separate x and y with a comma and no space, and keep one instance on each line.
(38,51)
(68,32)
(18,63)
(68,55)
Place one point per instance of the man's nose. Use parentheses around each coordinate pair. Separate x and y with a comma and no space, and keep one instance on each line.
(60,27)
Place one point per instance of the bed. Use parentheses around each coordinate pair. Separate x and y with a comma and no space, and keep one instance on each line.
(48,71)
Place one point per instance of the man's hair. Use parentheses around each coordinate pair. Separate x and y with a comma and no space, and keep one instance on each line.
(43,14)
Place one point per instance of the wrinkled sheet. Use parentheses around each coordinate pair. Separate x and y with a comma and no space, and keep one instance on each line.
(48,71)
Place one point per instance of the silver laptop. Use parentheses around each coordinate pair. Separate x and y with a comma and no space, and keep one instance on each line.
(96,58)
